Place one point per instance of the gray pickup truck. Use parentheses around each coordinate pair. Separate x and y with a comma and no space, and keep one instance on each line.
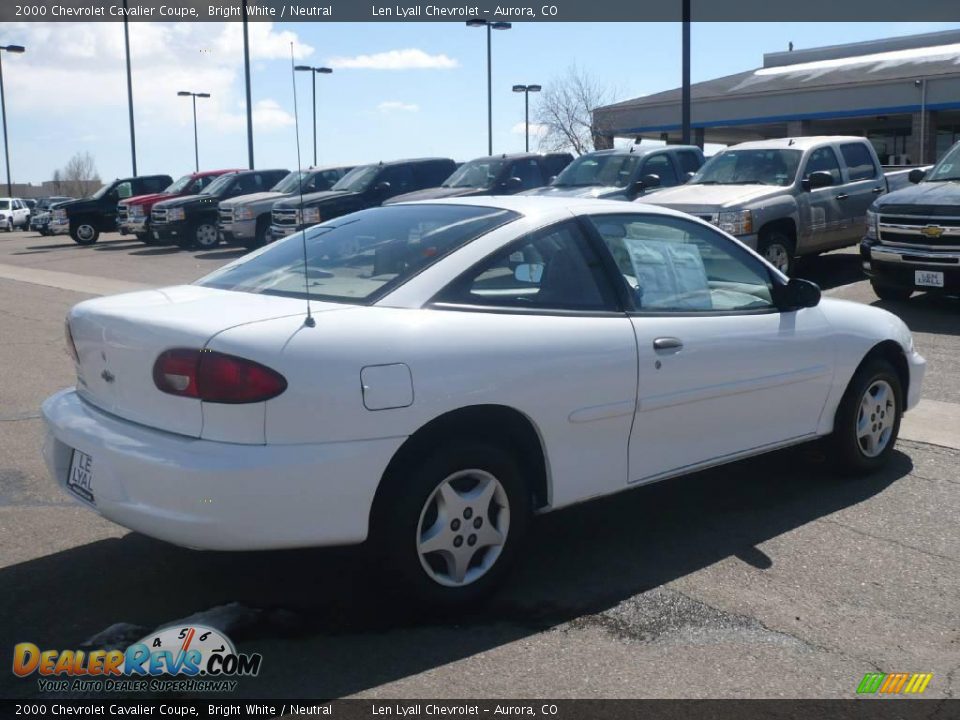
(785,198)
(245,219)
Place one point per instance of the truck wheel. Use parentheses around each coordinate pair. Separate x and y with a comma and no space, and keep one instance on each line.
(777,249)
(868,420)
(9,225)
(84,232)
(205,236)
(448,528)
(891,293)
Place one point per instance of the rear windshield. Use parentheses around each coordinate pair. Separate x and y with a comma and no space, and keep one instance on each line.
(361,257)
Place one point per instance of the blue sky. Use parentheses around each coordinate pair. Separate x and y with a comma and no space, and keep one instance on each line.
(68,92)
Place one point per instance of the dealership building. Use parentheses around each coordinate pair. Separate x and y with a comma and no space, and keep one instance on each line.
(901,93)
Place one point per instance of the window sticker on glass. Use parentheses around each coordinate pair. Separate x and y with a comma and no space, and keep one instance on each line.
(669,275)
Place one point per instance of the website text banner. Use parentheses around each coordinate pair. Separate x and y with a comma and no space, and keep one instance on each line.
(422,709)
(452,10)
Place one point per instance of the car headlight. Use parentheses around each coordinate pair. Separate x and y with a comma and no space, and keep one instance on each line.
(873,220)
(176,214)
(736,222)
(311,215)
(243,213)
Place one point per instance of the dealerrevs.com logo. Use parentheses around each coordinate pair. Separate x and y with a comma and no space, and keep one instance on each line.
(195,658)
(894,683)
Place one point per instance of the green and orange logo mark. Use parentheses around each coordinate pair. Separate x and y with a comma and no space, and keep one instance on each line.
(894,683)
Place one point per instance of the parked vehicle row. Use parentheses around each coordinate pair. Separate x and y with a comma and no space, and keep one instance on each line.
(14,213)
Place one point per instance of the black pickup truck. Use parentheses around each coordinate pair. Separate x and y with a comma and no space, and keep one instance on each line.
(363,187)
(912,240)
(191,221)
(87,217)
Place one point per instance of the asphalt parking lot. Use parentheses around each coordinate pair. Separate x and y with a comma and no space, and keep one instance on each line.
(767,578)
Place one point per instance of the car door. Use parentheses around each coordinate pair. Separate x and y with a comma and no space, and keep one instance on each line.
(20,212)
(864,183)
(821,209)
(564,354)
(722,371)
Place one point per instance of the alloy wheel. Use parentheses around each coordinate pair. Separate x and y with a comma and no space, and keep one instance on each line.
(778,256)
(207,236)
(463,527)
(86,232)
(876,418)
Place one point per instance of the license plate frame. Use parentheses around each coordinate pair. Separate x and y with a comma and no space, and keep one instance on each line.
(928,278)
(80,477)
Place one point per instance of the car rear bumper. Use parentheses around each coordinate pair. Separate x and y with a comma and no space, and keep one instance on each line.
(214,495)
(897,266)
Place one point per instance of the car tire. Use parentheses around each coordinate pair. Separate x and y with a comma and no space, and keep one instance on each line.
(205,236)
(778,249)
(891,293)
(868,420)
(472,493)
(84,232)
(9,225)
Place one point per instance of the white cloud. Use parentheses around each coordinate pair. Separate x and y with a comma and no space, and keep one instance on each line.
(389,106)
(536,129)
(407,59)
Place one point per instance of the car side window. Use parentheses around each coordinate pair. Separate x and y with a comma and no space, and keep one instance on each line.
(824,160)
(553,269)
(689,162)
(859,161)
(528,171)
(400,178)
(661,166)
(674,265)
(124,190)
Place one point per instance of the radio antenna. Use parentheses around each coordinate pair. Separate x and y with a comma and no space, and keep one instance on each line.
(308,321)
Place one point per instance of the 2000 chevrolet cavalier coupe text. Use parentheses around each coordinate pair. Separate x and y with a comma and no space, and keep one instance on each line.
(465,363)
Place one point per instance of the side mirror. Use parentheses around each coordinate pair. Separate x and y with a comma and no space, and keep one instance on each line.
(381,187)
(528,272)
(817,179)
(916,175)
(689,175)
(799,293)
(512,184)
(650,182)
(552,180)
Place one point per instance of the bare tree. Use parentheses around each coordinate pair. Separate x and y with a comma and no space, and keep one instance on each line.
(80,177)
(57,182)
(566,111)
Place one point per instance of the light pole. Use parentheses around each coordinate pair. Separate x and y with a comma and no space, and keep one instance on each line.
(126,47)
(526,90)
(194,96)
(246,81)
(3,111)
(489,25)
(314,71)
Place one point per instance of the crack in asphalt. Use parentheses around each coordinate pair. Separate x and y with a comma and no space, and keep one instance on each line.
(898,543)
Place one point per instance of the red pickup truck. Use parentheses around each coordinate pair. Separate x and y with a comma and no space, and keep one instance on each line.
(133,214)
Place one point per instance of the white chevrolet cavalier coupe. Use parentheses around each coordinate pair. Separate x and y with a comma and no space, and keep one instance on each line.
(462,365)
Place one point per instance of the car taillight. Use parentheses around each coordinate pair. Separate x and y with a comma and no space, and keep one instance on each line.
(71,346)
(215,377)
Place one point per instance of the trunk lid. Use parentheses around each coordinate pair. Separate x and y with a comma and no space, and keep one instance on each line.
(119,338)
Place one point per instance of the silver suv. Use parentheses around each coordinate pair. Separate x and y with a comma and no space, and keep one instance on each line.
(785,198)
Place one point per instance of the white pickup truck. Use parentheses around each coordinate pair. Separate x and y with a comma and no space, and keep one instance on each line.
(785,198)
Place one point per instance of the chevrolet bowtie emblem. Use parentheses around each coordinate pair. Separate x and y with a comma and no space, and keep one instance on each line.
(108,376)
(931,231)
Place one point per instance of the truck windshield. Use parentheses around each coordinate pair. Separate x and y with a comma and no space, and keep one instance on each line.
(179,186)
(948,168)
(290,183)
(218,185)
(604,170)
(750,167)
(357,180)
(475,174)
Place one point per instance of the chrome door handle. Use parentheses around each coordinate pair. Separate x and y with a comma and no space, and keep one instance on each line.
(667,343)
(842,196)
(877,191)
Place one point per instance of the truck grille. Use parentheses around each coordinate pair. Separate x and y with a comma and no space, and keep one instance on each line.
(226,216)
(290,218)
(121,213)
(158,215)
(919,226)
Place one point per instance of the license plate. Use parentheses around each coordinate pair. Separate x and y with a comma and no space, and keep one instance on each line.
(80,479)
(156,235)
(928,278)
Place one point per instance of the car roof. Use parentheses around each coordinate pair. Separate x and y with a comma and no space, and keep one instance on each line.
(795,143)
(409,160)
(531,205)
(641,150)
(226,171)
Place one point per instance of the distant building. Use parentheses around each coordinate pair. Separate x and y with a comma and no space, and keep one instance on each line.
(901,93)
(47,188)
